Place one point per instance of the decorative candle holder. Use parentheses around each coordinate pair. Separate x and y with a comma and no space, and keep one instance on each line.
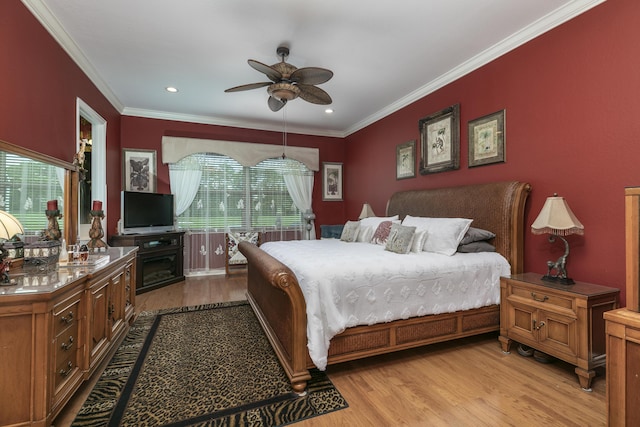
(96,233)
(53,229)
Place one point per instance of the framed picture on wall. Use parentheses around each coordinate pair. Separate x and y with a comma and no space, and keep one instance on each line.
(440,141)
(486,139)
(139,170)
(331,181)
(406,160)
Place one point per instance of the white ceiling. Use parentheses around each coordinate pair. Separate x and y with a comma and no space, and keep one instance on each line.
(384,54)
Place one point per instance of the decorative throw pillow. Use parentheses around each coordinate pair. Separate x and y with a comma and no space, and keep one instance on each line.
(369,225)
(418,240)
(400,238)
(479,246)
(382,233)
(443,234)
(233,240)
(350,231)
(476,235)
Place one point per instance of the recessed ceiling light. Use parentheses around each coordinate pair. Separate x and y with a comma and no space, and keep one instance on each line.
(328,111)
(171,89)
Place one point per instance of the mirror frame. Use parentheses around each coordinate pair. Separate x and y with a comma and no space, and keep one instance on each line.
(70,211)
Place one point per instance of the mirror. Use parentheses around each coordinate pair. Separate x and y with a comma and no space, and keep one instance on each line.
(92,185)
(28,180)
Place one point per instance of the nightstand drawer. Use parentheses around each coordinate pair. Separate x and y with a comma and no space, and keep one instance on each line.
(547,298)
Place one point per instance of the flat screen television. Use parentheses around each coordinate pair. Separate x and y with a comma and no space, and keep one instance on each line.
(146,212)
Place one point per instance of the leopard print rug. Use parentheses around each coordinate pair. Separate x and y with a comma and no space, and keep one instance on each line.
(201,366)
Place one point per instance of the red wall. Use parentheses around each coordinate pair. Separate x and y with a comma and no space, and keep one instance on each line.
(571,100)
(147,133)
(572,106)
(39,85)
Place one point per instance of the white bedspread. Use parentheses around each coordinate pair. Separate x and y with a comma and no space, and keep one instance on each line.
(349,284)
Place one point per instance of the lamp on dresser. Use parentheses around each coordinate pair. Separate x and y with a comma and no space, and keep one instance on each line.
(557,220)
(10,228)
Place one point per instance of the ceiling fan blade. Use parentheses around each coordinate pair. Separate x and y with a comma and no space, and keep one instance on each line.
(311,75)
(276,104)
(314,95)
(273,74)
(248,87)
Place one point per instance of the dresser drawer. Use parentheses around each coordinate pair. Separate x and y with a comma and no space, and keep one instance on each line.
(64,315)
(543,296)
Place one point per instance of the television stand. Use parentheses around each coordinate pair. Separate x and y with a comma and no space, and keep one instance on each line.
(159,261)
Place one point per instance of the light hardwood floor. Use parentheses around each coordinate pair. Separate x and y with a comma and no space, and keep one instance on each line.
(469,382)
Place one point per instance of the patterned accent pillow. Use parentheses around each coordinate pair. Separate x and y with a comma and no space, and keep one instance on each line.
(235,256)
(400,238)
(382,233)
(350,231)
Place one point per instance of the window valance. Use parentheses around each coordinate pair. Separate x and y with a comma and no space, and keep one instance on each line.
(245,153)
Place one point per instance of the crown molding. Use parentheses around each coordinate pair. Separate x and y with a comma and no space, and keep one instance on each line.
(53,26)
(517,39)
(539,27)
(219,121)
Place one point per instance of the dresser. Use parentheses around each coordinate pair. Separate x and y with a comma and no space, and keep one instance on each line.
(623,329)
(564,321)
(56,327)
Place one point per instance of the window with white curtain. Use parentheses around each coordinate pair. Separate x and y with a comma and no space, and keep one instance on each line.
(25,187)
(234,196)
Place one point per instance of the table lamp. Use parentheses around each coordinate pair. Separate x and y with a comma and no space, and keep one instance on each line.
(366,211)
(557,220)
(9,228)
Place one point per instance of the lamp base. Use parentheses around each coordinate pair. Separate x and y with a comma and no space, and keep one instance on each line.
(556,279)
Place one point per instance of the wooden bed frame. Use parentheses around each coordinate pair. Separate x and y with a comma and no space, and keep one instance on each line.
(278,302)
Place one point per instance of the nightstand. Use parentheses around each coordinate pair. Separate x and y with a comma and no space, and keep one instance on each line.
(564,321)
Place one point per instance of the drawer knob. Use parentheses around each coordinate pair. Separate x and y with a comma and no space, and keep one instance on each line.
(68,318)
(538,326)
(66,372)
(67,346)
(535,297)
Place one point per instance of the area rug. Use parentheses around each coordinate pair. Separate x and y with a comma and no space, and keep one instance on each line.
(201,366)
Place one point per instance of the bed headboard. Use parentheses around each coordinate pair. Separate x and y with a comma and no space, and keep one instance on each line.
(497,207)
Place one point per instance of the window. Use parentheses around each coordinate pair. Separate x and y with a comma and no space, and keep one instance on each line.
(26,187)
(234,196)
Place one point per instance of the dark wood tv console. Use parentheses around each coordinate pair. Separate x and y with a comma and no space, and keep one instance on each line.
(160,258)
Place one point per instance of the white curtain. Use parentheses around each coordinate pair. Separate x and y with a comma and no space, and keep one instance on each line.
(300,186)
(184,179)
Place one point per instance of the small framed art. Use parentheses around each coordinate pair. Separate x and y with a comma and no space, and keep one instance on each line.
(406,160)
(331,181)
(139,170)
(440,141)
(487,139)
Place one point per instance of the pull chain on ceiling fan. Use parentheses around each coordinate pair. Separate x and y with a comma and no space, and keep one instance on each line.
(288,82)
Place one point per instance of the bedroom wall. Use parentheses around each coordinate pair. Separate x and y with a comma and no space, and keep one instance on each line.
(39,84)
(572,108)
(138,132)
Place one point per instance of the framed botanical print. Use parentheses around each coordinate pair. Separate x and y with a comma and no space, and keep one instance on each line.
(139,170)
(440,141)
(487,139)
(406,160)
(331,181)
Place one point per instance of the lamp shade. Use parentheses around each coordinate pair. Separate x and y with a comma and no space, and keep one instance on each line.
(556,218)
(9,226)
(366,211)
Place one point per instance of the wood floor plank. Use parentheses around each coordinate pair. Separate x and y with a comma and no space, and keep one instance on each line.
(468,382)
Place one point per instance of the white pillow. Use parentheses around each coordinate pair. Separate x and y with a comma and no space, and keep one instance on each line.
(368,226)
(419,238)
(443,234)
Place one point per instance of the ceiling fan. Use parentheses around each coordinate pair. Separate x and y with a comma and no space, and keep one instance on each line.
(288,82)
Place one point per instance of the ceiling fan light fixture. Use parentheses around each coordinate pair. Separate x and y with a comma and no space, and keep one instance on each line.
(283,91)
